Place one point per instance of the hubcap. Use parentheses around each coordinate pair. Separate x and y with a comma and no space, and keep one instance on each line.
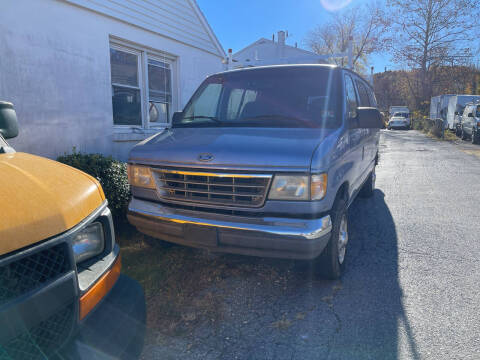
(342,239)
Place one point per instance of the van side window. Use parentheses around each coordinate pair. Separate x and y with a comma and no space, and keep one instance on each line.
(363,94)
(351,98)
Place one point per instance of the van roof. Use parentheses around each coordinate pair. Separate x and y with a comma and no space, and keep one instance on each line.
(289,66)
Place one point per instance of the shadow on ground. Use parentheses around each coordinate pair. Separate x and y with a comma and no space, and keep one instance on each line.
(204,306)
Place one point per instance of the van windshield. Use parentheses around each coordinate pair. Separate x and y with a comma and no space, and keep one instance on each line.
(269,97)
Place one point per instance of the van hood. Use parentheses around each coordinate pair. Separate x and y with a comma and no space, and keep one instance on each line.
(41,198)
(275,149)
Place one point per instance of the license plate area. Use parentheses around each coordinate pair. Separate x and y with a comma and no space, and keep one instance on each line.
(201,235)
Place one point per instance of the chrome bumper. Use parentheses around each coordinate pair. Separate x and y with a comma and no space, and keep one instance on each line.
(268,236)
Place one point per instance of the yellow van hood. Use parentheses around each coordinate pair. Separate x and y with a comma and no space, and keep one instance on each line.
(40,198)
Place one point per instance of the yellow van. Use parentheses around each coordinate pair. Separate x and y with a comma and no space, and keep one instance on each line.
(58,256)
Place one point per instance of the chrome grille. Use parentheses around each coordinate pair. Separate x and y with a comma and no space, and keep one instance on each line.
(247,190)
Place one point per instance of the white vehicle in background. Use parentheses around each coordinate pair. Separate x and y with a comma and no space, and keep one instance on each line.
(456,106)
(439,108)
(397,112)
(398,122)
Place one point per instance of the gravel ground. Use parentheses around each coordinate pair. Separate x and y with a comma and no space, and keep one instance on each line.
(410,290)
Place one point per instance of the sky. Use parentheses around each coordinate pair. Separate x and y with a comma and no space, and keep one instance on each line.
(238,23)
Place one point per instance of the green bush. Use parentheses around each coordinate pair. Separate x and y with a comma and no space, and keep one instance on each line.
(111,174)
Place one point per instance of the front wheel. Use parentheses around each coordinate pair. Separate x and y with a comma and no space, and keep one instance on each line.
(331,263)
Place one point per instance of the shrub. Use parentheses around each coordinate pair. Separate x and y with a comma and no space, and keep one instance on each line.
(111,174)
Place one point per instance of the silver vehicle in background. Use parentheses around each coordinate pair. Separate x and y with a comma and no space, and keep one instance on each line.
(456,106)
(470,125)
(398,121)
(397,112)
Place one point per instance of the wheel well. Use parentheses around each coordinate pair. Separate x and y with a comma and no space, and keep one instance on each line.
(342,192)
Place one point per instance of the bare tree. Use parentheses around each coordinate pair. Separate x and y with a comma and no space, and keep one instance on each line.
(363,24)
(427,34)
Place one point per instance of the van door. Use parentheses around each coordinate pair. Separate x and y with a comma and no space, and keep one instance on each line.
(354,155)
(367,135)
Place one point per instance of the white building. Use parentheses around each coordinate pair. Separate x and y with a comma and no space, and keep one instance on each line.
(271,52)
(100,76)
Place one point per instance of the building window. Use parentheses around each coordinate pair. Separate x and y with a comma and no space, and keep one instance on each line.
(159,91)
(141,87)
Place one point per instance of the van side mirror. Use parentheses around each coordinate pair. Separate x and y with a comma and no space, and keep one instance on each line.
(369,118)
(470,115)
(8,120)
(177,116)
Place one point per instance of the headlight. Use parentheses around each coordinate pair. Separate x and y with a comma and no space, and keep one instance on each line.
(298,187)
(140,176)
(89,242)
(289,188)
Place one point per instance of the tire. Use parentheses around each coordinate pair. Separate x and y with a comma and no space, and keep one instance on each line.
(463,135)
(369,187)
(331,262)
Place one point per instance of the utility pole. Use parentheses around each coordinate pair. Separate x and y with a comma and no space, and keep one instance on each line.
(350,53)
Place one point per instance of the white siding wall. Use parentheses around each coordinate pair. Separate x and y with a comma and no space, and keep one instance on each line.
(175,19)
(55,68)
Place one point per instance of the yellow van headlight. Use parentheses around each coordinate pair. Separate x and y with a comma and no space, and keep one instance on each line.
(89,242)
(140,176)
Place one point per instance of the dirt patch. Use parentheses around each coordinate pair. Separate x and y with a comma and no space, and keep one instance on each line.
(186,287)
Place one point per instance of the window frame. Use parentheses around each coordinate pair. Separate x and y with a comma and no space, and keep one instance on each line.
(359,84)
(144,54)
(351,77)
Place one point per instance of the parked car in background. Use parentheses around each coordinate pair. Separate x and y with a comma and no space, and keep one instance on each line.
(456,106)
(59,263)
(262,161)
(471,122)
(400,112)
(398,122)
(405,116)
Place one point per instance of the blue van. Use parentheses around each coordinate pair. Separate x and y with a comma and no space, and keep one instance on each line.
(262,161)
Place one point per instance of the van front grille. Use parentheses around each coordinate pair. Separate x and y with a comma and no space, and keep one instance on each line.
(247,190)
(33,271)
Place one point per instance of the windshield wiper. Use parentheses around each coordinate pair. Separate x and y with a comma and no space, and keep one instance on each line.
(275,116)
(213,118)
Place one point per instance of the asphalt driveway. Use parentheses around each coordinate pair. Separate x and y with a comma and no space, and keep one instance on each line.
(410,292)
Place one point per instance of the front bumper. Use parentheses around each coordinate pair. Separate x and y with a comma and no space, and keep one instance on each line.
(399,125)
(115,329)
(258,236)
